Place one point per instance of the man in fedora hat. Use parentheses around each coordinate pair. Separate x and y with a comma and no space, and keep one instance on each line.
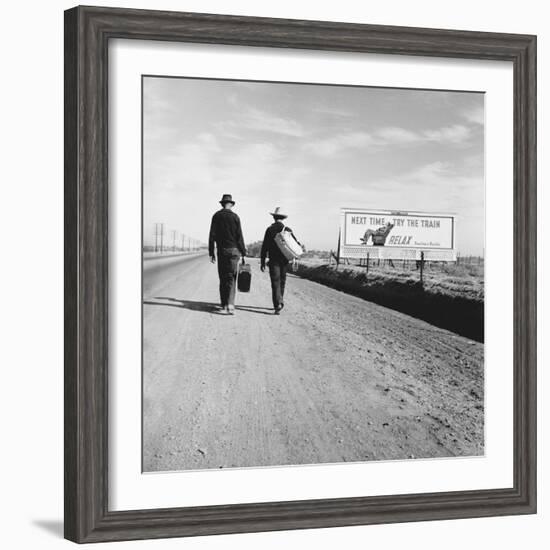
(226,232)
(278,264)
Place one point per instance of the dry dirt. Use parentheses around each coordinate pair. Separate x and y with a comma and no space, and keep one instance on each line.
(333,379)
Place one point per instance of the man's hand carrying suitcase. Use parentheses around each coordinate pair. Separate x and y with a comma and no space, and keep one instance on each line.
(244,278)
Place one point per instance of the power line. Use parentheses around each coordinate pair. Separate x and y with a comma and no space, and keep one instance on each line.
(188,243)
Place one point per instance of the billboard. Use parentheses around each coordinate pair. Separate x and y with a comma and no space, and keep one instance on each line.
(393,234)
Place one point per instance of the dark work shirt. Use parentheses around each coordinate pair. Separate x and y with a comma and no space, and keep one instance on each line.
(269,246)
(226,232)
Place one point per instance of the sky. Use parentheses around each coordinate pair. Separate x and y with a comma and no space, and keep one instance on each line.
(310,149)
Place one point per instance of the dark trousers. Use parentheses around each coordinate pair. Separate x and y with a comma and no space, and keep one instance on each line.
(228,265)
(277,274)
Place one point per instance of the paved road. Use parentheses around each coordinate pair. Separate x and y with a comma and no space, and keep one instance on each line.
(333,379)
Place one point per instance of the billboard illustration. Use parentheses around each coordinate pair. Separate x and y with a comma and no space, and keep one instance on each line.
(379,235)
(397,234)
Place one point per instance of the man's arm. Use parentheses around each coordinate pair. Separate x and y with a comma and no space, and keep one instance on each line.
(240,238)
(212,237)
(263,253)
(294,237)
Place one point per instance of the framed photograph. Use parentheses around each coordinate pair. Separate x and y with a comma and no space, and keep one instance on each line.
(300,274)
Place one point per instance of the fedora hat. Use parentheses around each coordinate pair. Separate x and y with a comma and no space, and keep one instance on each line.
(279,213)
(227,198)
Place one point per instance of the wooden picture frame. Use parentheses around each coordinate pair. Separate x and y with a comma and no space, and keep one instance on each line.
(87,34)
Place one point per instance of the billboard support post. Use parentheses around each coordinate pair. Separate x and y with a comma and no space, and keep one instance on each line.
(338,250)
(422,267)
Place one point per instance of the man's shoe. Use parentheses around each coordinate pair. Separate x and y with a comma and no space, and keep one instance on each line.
(278,309)
(231,310)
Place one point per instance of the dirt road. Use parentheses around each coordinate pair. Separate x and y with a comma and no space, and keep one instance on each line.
(333,379)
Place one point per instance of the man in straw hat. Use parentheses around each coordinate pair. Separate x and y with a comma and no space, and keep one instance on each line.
(226,232)
(278,263)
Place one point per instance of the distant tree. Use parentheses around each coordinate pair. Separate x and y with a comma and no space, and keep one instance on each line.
(254,249)
(322,254)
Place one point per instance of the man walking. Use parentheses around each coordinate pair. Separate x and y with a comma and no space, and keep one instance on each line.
(226,232)
(278,263)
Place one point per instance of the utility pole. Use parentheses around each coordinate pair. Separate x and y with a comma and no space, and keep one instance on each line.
(156,236)
(174,240)
(161,238)
(182,242)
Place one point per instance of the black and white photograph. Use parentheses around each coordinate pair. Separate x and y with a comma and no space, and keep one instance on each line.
(313,274)
(274,275)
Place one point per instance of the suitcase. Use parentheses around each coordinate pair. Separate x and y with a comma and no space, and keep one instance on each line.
(244,278)
(288,246)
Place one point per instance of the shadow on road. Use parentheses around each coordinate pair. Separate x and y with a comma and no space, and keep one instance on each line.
(254,309)
(205,307)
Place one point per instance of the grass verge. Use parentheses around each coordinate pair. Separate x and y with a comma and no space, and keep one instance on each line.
(450,298)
